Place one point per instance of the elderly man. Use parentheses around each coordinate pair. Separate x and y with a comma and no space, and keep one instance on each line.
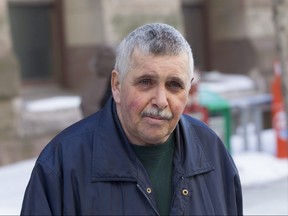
(139,155)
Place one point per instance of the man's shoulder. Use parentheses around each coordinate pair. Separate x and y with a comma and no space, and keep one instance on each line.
(80,129)
(83,127)
(70,143)
(197,130)
(211,144)
(190,121)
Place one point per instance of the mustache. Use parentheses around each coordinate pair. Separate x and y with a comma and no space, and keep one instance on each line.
(157,113)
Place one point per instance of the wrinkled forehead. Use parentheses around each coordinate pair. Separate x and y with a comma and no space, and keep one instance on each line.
(137,55)
(173,65)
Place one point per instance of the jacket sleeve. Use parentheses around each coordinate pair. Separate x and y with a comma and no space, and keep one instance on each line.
(43,193)
(238,195)
(234,198)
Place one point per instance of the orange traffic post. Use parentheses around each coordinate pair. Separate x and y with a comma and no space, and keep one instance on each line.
(278,114)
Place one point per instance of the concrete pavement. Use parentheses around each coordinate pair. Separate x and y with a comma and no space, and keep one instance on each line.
(267,199)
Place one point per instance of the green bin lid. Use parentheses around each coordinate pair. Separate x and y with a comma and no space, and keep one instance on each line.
(212,101)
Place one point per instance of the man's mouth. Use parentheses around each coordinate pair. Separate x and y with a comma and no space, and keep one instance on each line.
(155,117)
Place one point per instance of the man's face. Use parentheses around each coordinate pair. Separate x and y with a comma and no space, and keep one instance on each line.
(151,97)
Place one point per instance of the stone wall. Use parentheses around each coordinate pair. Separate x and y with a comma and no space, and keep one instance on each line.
(92,22)
(243,37)
(231,49)
(121,17)
(9,79)
(83,21)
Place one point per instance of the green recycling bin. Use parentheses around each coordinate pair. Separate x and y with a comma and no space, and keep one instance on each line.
(218,108)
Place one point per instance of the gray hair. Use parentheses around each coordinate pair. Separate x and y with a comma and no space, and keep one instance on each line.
(152,39)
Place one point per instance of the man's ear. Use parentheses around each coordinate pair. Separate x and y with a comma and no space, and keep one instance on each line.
(115,85)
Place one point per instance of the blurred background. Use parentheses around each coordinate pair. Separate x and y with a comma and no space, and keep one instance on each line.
(54,70)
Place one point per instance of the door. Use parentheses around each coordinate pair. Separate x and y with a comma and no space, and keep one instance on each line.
(196,31)
(32,39)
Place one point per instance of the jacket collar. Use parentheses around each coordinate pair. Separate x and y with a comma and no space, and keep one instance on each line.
(113,158)
(190,155)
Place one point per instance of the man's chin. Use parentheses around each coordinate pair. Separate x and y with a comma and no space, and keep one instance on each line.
(155,140)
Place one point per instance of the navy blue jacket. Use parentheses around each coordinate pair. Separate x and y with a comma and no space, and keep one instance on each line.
(91,169)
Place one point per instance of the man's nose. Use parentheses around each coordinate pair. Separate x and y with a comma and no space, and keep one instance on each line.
(160,98)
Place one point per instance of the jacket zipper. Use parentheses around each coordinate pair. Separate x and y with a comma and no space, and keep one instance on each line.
(148,199)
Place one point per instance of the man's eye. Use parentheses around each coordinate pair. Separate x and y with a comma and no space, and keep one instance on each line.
(174,85)
(146,82)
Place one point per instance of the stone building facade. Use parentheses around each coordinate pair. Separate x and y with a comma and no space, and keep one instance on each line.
(243,39)
(55,40)
(231,36)
(9,78)
(90,22)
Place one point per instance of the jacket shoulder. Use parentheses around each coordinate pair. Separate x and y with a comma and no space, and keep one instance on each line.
(207,138)
(189,121)
(71,145)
